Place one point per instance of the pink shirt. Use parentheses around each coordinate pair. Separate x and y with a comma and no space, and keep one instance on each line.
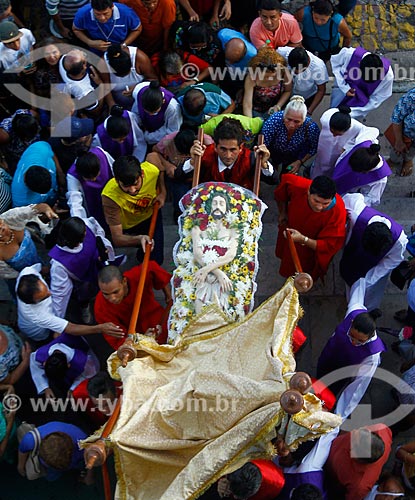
(288,32)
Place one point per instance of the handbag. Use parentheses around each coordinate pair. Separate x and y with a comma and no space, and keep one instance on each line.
(390,136)
(33,468)
(402,274)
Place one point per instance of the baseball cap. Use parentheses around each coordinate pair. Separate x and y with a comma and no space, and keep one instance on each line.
(74,128)
(4,5)
(9,32)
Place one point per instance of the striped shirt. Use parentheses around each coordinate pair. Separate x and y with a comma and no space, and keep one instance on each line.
(65,8)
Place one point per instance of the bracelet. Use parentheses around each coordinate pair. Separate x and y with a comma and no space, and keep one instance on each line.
(305,241)
(124,45)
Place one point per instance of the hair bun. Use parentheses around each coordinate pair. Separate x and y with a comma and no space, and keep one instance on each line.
(299,98)
(344,109)
(374,148)
(117,110)
(154,84)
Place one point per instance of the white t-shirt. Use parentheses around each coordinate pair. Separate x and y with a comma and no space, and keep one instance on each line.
(10,57)
(305,83)
(36,321)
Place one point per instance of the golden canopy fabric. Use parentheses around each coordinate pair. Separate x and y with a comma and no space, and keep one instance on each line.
(204,406)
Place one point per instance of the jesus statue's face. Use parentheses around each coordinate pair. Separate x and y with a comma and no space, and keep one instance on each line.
(218,210)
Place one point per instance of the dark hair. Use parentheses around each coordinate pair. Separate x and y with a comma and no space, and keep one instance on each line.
(245,481)
(152,97)
(324,187)
(322,7)
(56,450)
(269,5)
(229,128)
(127,169)
(38,179)
(361,447)
(371,67)
(341,120)
(87,165)
(183,141)
(377,239)
(56,367)
(365,159)
(198,33)
(101,383)
(27,287)
(306,491)
(119,60)
(109,273)
(298,58)
(25,126)
(71,232)
(364,323)
(194,102)
(117,126)
(101,4)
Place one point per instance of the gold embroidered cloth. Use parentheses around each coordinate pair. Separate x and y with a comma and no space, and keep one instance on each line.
(202,407)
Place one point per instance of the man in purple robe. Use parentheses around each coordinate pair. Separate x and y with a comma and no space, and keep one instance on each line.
(375,244)
(363,80)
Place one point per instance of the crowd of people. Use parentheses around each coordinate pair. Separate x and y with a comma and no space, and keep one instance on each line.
(99,125)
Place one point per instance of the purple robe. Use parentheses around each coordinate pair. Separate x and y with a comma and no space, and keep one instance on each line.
(346,179)
(84,264)
(292,480)
(150,123)
(92,189)
(340,352)
(78,362)
(356,261)
(114,148)
(363,89)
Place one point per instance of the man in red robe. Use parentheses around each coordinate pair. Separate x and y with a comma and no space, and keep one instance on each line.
(117,294)
(356,460)
(316,218)
(228,160)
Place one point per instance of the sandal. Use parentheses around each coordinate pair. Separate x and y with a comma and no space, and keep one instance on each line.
(407,168)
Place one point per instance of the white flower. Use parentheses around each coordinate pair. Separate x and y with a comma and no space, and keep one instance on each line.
(184,257)
(210,256)
(232,218)
(187,288)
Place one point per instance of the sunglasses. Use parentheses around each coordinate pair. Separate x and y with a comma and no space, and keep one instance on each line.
(270,67)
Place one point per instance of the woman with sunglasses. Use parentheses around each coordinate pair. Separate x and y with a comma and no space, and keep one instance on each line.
(267,85)
(354,343)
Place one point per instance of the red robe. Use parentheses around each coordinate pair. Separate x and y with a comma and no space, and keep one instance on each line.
(327,227)
(151,311)
(241,173)
(356,479)
(272,480)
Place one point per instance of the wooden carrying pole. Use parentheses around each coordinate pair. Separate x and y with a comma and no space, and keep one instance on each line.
(258,166)
(293,252)
(302,281)
(99,451)
(198,161)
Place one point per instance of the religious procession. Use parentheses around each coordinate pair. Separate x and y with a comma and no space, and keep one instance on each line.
(207,247)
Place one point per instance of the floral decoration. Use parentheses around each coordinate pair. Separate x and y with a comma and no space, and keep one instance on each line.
(244,214)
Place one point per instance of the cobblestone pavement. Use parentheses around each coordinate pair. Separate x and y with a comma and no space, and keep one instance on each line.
(384,26)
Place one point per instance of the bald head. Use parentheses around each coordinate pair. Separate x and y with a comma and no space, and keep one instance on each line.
(235,50)
(74,62)
(109,273)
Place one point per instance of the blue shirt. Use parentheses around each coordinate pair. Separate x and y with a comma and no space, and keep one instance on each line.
(404,112)
(303,141)
(320,38)
(115,30)
(216,103)
(28,443)
(227,34)
(37,154)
